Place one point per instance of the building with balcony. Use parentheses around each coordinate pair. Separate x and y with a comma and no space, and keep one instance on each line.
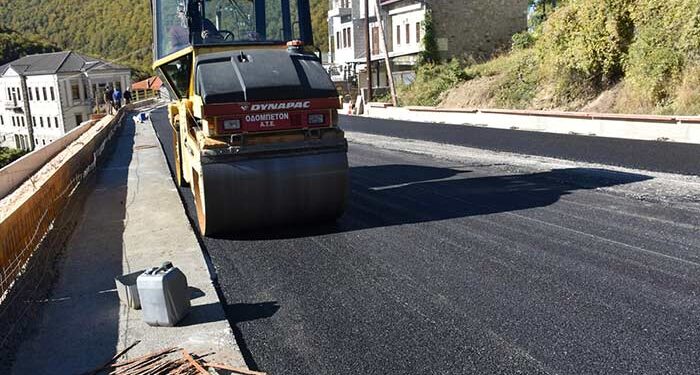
(346,38)
(462,28)
(62,89)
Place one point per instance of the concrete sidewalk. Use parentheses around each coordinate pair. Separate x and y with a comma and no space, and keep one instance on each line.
(132,220)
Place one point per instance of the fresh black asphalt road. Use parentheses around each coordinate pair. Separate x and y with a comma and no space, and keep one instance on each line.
(440,267)
(642,154)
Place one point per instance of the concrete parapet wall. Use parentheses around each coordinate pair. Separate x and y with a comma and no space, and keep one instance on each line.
(28,212)
(36,220)
(38,217)
(683,129)
(14,174)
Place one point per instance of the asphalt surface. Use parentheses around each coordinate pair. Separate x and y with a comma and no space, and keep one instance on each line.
(444,267)
(648,155)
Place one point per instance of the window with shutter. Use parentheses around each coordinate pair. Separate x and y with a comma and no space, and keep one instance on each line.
(375,40)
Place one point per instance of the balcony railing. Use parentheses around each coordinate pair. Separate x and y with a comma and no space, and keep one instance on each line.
(339,12)
(387,2)
(12,104)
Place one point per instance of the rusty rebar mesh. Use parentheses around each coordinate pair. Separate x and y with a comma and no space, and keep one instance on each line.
(168,361)
(34,234)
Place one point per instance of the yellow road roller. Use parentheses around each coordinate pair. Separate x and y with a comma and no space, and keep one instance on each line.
(254,114)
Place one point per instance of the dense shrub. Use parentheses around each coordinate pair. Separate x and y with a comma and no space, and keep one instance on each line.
(522,40)
(648,50)
(688,94)
(667,39)
(8,155)
(432,80)
(583,45)
(517,87)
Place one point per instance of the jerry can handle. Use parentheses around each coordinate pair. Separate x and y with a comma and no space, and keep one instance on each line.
(164,267)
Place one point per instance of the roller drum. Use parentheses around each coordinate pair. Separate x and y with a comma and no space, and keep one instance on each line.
(273,191)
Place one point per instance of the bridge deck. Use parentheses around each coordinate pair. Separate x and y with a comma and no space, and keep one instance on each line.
(132,219)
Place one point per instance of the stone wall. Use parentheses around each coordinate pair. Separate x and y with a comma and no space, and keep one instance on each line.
(476,28)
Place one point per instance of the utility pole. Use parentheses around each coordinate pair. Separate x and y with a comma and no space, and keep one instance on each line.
(389,74)
(544,8)
(27,111)
(368,52)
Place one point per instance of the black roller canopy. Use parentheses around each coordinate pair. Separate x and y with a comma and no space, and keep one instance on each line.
(251,75)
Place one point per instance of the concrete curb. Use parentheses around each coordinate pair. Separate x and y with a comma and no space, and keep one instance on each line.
(631,153)
(682,129)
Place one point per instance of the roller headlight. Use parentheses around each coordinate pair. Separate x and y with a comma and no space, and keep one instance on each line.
(232,124)
(317,119)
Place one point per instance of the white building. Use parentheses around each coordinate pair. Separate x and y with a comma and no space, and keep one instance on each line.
(461,28)
(403,23)
(62,89)
(346,38)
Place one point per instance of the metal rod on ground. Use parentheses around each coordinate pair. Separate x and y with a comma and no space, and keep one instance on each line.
(390,76)
(368,58)
(194,363)
(235,369)
(116,356)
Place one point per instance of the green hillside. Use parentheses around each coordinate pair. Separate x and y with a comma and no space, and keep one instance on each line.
(640,56)
(14,45)
(118,30)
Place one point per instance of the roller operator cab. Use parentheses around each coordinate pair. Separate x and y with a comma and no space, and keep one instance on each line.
(254,115)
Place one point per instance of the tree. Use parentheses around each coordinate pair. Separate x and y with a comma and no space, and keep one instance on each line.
(430,52)
(8,155)
(319,22)
(14,45)
(539,10)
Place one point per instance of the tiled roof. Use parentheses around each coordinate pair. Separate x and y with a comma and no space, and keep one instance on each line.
(153,83)
(58,62)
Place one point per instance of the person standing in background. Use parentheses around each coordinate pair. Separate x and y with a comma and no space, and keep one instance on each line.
(117,99)
(127,97)
(108,100)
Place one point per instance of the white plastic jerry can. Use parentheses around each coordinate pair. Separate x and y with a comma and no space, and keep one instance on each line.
(164,295)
